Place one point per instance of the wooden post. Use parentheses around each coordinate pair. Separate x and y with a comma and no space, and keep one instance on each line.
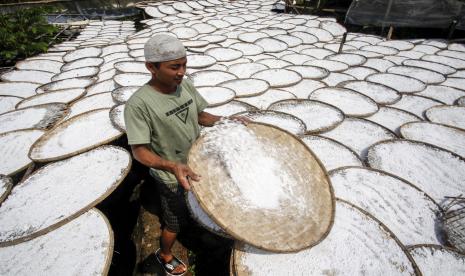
(452,29)
(389,34)
(388,11)
(344,37)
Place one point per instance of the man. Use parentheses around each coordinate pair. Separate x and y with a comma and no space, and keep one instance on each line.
(162,121)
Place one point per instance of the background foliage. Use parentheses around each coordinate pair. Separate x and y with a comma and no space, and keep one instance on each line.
(24,33)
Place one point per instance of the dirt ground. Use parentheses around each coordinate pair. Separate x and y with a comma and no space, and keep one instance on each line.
(205,253)
(146,237)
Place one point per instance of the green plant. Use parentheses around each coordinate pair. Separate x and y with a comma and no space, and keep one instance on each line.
(24,33)
(191,256)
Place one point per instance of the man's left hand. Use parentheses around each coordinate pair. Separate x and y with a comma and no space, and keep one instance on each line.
(241,119)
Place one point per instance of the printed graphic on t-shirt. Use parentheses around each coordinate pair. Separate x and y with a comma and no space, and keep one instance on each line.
(182,114)
(182,111)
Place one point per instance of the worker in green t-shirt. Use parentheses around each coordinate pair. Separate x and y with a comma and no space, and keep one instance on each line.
(162,122)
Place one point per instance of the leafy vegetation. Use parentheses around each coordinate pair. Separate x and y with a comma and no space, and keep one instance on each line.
(24,33)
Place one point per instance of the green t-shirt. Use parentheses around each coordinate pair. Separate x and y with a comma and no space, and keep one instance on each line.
(168,122)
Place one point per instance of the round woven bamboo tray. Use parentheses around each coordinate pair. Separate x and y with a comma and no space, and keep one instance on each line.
(442,93)
(80,82)
(326,149)
(35,76)
(276,230)
(309,72)
(81,246)
(92,129)
(15,148)
(379,93)
(83,62)
(18,89)
(425,75)
(40,65)
(117,117)
(82,53)
(446,137)
(65,96)
(42,116)
(438,260)
(358,244)
(38,205)
(230,108)
(347,58)
(309,112)
(448,115)
(360,72)
(216,95)
(201,217)
(8,103)
(359,134)
(375,192)
(403,84)
(392,118)
(350,102)
(434,170)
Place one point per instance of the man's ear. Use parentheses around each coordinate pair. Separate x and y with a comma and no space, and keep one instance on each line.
(152,69)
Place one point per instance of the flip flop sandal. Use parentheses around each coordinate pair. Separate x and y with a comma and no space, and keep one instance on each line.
(170,266)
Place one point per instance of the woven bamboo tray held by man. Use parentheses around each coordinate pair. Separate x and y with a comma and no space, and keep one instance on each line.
(162,121)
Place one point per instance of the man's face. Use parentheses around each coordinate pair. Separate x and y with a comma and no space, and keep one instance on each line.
(169,73)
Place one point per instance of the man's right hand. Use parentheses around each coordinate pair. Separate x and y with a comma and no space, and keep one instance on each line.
(182,173)
(143,154)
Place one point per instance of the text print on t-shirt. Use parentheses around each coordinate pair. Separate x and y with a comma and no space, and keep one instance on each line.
(181,111)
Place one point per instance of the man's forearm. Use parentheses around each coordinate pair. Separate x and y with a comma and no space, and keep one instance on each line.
(207,119)
(150,159)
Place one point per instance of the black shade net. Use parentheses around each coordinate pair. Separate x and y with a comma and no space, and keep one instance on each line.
(407,13)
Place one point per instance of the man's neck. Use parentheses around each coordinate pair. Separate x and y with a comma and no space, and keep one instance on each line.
(160,87)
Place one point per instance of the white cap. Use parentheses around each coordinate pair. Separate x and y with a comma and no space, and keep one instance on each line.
(163,47)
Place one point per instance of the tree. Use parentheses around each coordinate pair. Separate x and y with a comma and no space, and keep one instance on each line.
(24,33)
